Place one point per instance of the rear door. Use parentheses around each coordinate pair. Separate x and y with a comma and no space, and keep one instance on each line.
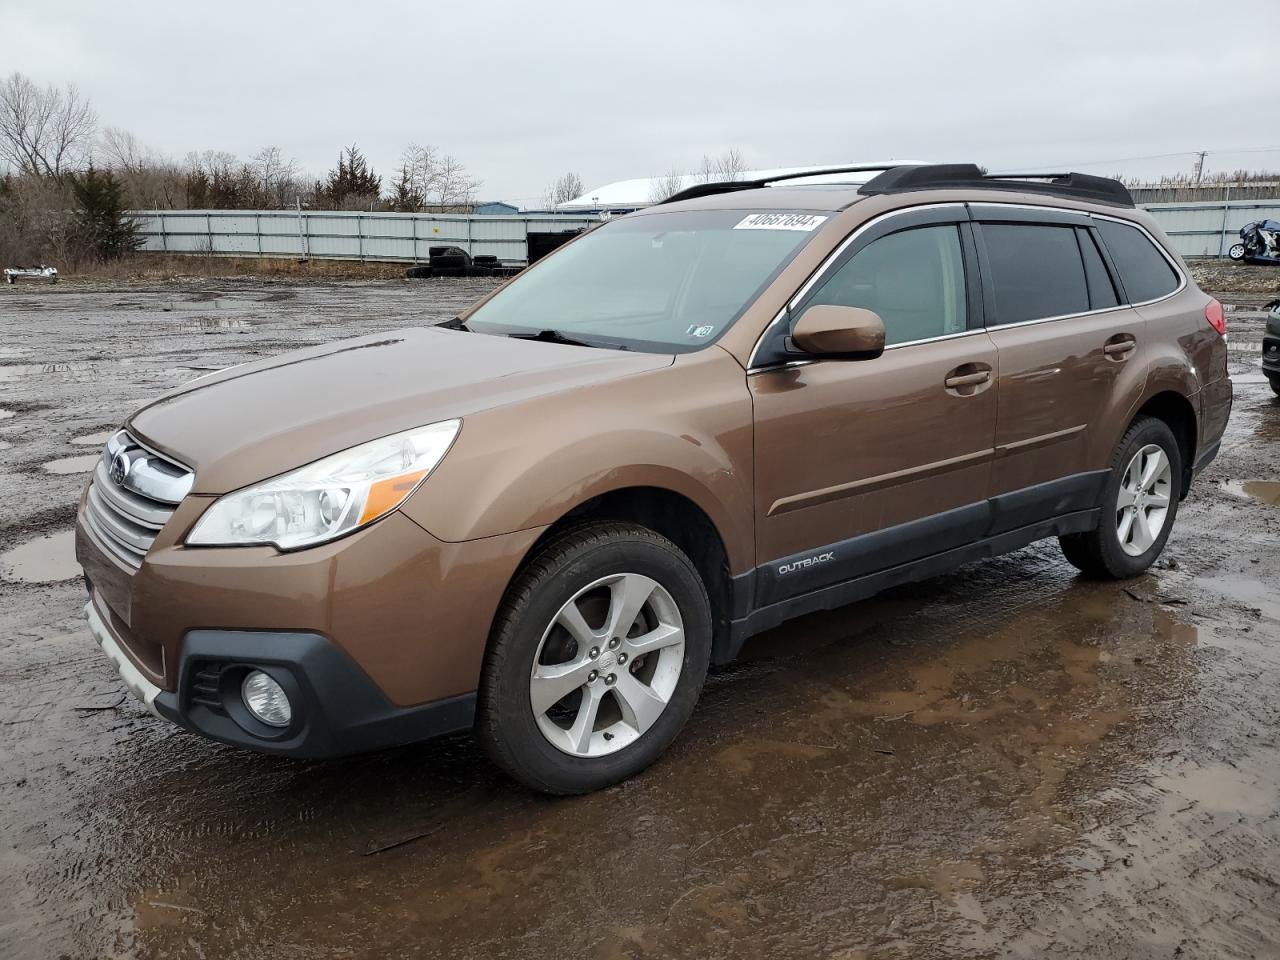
(1066,346)
(865,464)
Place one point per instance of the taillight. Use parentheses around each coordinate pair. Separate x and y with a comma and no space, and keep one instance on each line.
(1213,313)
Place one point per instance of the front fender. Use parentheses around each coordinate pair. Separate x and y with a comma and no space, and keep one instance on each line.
(684,428)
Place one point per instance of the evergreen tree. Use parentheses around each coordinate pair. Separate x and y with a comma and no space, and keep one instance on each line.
(101,223)
(352,182)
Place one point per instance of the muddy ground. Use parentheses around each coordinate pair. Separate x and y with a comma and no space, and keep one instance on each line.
(1005,761)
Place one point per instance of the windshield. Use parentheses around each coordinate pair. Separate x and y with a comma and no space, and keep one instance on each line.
(665,282)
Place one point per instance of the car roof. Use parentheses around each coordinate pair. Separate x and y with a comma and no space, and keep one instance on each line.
(828,197)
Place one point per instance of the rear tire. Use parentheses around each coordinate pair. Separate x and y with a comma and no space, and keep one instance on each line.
(1139,505)
(572,698)
(1275,385)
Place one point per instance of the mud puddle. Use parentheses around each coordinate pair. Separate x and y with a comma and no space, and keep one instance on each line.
(218,324)
(68,465)
(47,559)
(14,372)
(1264,491)
(93,439)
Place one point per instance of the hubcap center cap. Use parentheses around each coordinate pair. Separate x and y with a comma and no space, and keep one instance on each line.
(608,660)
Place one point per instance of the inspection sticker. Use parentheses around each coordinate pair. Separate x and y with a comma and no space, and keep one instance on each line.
(780,221)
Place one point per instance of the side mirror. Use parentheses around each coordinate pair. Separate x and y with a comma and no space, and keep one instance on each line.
(850,333)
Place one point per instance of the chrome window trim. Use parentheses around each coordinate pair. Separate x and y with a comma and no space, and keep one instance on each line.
(822,268)
(1177,269)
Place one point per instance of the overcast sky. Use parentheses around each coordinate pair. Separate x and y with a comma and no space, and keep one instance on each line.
(521,92)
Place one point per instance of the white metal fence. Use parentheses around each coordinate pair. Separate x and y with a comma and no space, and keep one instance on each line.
(1209,229)
(1196,229)
(406,237)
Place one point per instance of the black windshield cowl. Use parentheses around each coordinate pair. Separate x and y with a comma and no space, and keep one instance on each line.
(457,323)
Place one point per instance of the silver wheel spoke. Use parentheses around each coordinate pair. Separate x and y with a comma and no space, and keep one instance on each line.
(1142,538)
(551,684)
(1157,501)
(570,617)
(665,635)
(1125,498)
(641,705)
(627,596)
(585,722)
(1126,526)
(1154,462)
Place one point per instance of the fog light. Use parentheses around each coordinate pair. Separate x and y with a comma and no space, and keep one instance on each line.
(266,699)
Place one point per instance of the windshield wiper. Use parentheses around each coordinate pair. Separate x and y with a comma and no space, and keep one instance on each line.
(552,336)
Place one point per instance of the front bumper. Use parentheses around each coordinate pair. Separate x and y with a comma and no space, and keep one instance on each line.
(1271,356)
(337,710)
(379,637)
(142,688)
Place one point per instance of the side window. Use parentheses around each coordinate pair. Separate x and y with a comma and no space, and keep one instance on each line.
(1036,271)
(914,280)
(1144,271)
(1102,293)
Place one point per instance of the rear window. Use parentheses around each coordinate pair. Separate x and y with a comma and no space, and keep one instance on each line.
(1144,271)
(1036,271)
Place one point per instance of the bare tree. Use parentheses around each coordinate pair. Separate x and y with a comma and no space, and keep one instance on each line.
(278,179)
(726,167)
(666,186)
(418,173)
(566,188)
(454,187)
(120,150)
(44,131)
(428,179)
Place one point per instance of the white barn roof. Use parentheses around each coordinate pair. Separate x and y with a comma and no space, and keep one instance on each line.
(629,194)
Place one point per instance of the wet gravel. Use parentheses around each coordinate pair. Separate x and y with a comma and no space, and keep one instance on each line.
(1005,761)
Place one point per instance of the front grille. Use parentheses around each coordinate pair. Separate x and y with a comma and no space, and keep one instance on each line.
(133,493)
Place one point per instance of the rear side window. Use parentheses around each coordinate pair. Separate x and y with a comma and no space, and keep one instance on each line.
(1036,271)
(914,280)
(1102,293)
(1144,271)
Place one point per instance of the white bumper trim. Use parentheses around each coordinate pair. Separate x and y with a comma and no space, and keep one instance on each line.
(138,685)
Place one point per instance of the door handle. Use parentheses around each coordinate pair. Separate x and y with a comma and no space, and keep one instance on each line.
(1119,348)
(967,379)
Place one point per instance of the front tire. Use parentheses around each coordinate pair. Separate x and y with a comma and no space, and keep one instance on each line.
(1236,251)
(1275,385)
(596,659)
(1139,505)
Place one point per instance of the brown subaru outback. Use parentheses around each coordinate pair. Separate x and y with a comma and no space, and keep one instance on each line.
(545,519)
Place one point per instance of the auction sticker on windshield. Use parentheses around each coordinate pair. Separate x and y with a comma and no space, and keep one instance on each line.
(780,221)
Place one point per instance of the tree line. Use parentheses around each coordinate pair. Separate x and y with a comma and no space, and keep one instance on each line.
(64,178)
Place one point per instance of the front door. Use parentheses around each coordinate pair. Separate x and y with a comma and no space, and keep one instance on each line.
(865,464)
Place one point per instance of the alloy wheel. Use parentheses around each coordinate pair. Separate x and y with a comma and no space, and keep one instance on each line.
(1142,504)
(607,665)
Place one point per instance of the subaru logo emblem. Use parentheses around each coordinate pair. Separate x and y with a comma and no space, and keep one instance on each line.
(119,468)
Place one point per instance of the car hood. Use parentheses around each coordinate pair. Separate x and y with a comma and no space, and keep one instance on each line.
(247,423)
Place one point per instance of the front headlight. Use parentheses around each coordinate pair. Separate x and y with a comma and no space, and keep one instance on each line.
(330,497)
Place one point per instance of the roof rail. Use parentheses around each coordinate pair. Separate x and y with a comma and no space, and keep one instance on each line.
(967,176)
(730,186)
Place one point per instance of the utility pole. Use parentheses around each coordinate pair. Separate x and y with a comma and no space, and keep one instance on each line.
(1199,165)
